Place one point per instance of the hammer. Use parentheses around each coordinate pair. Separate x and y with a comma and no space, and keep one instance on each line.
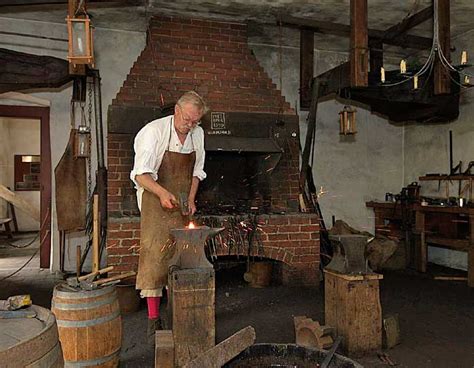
(92,285)
(76,281)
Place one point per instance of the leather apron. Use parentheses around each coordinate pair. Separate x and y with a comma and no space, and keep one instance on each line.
(175,174)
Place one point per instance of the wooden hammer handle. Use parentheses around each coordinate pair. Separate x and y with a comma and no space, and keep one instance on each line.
(116,277)
(100,272)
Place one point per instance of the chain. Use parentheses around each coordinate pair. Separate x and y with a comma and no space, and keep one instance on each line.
(89,158)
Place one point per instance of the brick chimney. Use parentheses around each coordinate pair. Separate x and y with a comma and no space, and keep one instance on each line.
(210,57)
(213,58)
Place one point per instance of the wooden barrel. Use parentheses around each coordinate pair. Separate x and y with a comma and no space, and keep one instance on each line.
(90,326)
(30,342)
(259,275)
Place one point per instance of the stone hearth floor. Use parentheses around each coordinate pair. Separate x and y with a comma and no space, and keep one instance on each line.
(436,317)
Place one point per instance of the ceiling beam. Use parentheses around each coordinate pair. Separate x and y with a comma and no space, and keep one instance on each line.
(344,30)
(408,23)
(19,3)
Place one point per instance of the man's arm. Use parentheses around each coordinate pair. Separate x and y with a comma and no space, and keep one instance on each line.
(167,199)
(192,195)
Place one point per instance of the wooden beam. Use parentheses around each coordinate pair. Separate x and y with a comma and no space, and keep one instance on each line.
(225,350)
(442,81)
(359,51)
(401,28)
(21,71)
(49,2)
(344,30)
(306,66)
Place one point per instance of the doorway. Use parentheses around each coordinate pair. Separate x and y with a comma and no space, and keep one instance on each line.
(35,177)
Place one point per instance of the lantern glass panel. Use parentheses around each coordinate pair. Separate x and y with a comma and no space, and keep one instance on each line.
(79,39)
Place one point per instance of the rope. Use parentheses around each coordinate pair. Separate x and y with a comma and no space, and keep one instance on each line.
(22,246)
(22,267)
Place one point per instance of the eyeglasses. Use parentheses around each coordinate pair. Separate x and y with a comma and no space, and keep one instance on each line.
(187,119)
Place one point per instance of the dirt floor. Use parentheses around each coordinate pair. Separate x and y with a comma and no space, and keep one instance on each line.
(436,317)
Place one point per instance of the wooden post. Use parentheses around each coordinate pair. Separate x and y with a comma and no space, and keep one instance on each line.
(470,254)
(95,235)
(352,307)
(78,260)
(421,249)
(192,305)
(359,42)
(164,349)
(306,66)
(442,82)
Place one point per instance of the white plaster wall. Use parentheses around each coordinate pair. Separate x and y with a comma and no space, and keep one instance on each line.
(351,170)
(22,137)
(427,151)
(116,50)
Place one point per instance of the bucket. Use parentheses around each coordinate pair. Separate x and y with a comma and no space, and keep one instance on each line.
(259,275)
(30,342)
(129,298)
(89,325)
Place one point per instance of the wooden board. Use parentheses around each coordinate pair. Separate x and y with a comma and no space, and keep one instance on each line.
(353,308)
(193,312)
(225,350)
(164,349)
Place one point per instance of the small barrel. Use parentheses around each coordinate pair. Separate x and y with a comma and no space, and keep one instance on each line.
(259,275)
(30,342)
(89,325)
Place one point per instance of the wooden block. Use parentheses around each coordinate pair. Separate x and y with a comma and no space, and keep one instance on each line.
(353,308)
(192,306)
(225,350)
(164,349)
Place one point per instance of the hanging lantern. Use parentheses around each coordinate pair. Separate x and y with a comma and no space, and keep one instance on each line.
(347,121)
(81,49)
(82,141)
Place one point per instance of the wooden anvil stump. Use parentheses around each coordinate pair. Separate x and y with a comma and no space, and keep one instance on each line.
(192,294)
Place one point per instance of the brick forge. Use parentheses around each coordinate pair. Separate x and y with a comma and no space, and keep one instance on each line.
(213,58)
(291,239)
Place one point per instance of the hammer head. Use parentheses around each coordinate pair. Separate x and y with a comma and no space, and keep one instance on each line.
(87,285)
(183,203)
(73,282)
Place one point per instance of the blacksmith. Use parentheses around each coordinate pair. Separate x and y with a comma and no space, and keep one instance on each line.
(169,161)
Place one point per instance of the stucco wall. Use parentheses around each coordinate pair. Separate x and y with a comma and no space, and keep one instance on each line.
(351,170)
(116,50)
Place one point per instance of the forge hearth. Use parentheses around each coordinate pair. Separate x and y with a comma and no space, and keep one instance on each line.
(251,141)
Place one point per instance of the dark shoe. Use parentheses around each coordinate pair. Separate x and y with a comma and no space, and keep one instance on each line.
(153,325)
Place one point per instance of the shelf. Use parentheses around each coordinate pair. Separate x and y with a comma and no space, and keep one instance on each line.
(457,244)
(445,177)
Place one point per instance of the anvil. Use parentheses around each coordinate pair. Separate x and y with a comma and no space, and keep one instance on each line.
(190,244)
(351,258)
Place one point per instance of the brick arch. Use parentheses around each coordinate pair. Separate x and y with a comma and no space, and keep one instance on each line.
(270,253)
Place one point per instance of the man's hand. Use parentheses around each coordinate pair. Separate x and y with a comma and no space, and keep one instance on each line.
(167,199)
(192,207)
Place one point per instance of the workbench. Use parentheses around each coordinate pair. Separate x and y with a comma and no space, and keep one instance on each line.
(391,218)
(448,227)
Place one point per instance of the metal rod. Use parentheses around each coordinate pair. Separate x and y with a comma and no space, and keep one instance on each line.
(33,36)
(450,152)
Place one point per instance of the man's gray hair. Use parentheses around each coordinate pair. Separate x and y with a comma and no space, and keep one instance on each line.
(193,98)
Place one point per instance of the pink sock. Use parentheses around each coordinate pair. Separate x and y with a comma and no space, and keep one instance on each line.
(153,303)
